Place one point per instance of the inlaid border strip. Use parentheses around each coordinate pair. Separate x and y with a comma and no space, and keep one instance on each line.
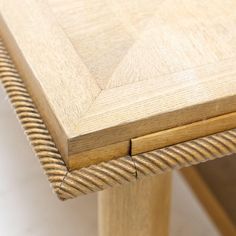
(70,184)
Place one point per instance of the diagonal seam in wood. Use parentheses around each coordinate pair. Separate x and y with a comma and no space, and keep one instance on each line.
(106,174)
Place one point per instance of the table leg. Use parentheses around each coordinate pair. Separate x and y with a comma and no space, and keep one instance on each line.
(136,209)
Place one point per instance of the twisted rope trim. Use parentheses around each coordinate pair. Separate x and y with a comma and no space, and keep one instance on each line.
(70,184)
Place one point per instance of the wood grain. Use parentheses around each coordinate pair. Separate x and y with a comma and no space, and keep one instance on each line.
(214,185)
(123,41)
(154,141)
(98,155)
(183,133)
(56,77)
(103,31)
(105,72)
(155,105)
(138,209)
(70,184)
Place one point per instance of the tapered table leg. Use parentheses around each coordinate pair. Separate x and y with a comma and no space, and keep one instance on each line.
(137,209)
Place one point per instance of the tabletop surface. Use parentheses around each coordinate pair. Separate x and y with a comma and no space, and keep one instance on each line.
(104,72)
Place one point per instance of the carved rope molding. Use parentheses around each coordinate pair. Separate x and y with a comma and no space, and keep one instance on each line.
(70,184)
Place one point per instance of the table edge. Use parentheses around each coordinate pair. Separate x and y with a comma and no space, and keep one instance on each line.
(70,184)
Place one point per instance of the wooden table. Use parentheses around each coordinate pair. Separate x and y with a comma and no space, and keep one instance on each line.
(109,92)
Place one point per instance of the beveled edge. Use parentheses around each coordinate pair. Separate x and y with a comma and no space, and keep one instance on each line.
(70,184)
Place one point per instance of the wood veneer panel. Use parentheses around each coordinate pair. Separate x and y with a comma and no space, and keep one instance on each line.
(69,184)
(104,72)
(53,72)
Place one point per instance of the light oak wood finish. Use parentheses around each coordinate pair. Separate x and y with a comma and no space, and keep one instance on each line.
(104,72)
(72,183)
(183,133)
(136,210)
(214,185)
(98,155)
(154,141)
